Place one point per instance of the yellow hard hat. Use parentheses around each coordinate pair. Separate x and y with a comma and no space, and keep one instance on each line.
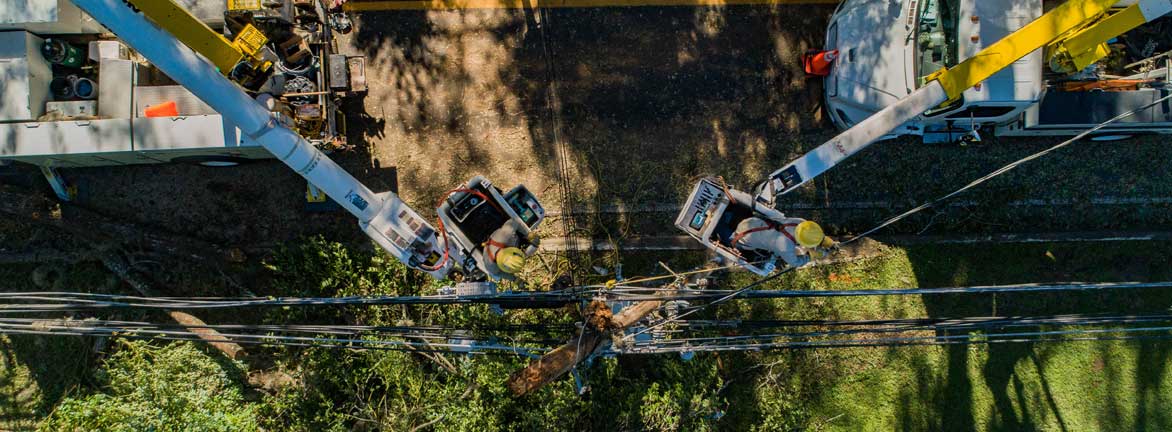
(510,260)
(809,234)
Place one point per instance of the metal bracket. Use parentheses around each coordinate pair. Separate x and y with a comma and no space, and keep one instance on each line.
(64,190)
(314,195)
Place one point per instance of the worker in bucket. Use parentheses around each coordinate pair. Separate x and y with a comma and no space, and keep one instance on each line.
(506,248)
(795,241)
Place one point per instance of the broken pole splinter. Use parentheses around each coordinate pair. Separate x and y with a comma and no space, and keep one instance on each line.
(600,324)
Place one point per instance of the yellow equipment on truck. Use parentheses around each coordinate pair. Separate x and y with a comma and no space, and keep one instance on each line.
(240,59)
(1073,32)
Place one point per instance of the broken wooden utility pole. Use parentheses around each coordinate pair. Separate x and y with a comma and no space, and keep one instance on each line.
(600,325)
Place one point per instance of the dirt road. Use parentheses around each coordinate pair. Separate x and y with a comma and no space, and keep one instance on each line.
(620,109)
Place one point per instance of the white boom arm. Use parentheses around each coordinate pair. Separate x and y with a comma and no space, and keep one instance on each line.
(1074,23)
(384,217)
(850,141)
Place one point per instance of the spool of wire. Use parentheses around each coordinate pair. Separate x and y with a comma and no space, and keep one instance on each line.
(300,84)
(85,88)
(61,88)
(304,68)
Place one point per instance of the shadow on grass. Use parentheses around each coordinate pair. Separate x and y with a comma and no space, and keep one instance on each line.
(38,372)
(1013,386)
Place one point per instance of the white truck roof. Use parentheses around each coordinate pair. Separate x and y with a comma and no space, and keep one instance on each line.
(877,46)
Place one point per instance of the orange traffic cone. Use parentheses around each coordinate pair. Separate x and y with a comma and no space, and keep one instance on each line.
(165,109)
(817,63)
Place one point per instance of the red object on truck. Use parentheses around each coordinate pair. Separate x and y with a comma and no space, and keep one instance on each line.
(817,63)
(165,109)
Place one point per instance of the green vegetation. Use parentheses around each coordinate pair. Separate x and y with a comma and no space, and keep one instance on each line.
(1053,386)
(171,387)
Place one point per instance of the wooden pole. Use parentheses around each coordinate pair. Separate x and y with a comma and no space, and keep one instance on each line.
(561,360)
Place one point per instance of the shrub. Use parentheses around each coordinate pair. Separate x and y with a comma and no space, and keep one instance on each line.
(175,387)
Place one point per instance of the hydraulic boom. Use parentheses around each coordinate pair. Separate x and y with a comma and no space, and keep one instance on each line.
(390,222)
(1074,33)
(1075,28)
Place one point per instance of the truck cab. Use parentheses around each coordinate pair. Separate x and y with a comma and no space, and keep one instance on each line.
(886,47)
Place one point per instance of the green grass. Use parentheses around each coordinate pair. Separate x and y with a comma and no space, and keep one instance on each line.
(36,372)
(1101,385)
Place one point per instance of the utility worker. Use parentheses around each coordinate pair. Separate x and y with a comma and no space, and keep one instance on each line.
(794,240)
(504,248)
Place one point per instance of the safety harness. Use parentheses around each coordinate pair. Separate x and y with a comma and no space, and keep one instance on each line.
(768,226)
(489,244)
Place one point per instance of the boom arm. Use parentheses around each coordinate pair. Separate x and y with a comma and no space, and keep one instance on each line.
(239,59)
(384,217)
(1077,16)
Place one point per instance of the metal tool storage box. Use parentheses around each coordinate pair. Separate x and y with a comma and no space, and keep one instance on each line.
(67,143)
(24,77)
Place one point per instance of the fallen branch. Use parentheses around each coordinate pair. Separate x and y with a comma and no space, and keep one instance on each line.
(117,265)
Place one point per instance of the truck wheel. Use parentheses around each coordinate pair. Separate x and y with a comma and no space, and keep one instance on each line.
(212,161)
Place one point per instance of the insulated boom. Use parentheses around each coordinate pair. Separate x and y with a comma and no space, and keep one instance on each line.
(1066,26)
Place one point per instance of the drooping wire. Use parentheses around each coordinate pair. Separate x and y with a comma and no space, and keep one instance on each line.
(1002,170)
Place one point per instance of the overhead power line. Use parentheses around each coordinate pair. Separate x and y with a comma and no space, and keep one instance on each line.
(13,303)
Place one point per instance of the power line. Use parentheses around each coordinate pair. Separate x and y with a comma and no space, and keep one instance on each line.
(412,343)
(67,302)
(764,343)
(1003,170)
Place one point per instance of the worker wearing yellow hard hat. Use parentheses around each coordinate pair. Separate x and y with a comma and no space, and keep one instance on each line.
(507,248)
(809,234)
(510,260)
(792,240)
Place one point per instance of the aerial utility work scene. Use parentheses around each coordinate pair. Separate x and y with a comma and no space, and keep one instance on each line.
(585,215)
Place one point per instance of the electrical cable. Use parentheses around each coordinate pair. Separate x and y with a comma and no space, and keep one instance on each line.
(1066,319)
(745,294)
(715,344)
(1002,170)
(988,325)
(76,328)
(423,331)
(73,302)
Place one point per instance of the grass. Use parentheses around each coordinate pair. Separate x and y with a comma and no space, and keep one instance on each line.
(1100,385)
(1054,386)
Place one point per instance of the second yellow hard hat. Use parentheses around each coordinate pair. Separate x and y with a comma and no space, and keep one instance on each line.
(809,234)
(510,260)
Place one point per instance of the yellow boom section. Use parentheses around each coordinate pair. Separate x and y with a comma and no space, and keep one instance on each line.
(1044,31)
(1085,46)
(239,59)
